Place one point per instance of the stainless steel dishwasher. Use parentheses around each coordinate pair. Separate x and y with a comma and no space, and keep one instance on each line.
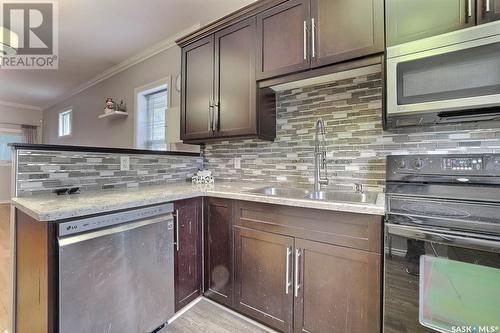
(116,272)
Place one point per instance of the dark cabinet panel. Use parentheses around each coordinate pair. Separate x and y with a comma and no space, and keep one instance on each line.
(235,87)
(188,252)
(218,250)
(282,34)
(488,11)
(197,118)
(408,20)
(338,289)
(263,277)
(345,29)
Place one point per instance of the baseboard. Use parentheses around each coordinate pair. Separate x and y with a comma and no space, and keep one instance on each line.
(184,310)
(5,202)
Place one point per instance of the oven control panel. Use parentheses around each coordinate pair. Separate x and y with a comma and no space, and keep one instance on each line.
(463,164)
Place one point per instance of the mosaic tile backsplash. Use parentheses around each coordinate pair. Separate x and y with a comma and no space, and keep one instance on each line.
(355,140)
(45,171)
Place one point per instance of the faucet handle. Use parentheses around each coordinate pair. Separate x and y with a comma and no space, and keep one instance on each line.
(359,187)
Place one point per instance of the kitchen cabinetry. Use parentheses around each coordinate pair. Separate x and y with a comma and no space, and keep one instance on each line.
(263,277)
(344,29)
(408,20)
(338,289)
(303,34)
(218,250)
(488,11)
(197,89)
(323,268)
(219,95)
(188,251)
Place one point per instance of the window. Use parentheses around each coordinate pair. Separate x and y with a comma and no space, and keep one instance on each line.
(65,123)
(151,107)
(6,137)
(156,110)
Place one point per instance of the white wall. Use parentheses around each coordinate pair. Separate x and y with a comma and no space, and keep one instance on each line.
(88,129)
(19,116)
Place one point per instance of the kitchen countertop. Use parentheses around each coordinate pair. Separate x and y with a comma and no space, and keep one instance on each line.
(51,207)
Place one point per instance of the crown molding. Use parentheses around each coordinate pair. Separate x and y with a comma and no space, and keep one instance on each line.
(133,60)
(20,106)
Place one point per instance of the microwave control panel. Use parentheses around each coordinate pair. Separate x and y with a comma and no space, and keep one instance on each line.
(463,164)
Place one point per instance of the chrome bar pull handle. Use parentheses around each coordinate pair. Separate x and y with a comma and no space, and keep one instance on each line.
(178,241)
(305,40)
(216,117)
(287,277)
(488,5)
(469,8)
(297,261)
(210,116)
(313,37)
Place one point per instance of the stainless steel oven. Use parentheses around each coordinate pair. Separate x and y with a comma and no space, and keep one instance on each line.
(442,244)
(452,77)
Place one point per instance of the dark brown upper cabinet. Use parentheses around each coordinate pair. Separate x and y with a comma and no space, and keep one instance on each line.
(408,20)
(197,89)
(345,29)
(338,289)
(302,34)
(188,251)
(263,269)
(219,95)
(488,11)
(218,250)
(283,39)
(235,86)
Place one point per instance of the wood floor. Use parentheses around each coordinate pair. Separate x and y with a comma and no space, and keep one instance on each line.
(206,317)
(4,265)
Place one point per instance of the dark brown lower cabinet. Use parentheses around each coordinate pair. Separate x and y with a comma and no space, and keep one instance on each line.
(218,250)
(263,277)
(188,251)
(338,289)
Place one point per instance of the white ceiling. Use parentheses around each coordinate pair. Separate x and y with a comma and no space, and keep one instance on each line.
(95,35)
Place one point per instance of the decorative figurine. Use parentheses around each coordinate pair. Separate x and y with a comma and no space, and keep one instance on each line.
(110,104)
(122,106)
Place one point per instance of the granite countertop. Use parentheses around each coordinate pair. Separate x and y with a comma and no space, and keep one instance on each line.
(51,207)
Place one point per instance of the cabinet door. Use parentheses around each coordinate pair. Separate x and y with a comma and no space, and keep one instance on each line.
(188,260)
(338,289)
(488,11)
(218,254)
(263,266)
(197,118)
(235,86)
(408,20)
(283,36)
(345,29)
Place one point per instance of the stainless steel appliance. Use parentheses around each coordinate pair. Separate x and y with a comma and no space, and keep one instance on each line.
(116,272)
(452,77)
(442,244)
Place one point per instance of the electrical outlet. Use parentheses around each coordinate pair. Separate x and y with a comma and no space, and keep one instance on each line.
(124,163)
(237,163)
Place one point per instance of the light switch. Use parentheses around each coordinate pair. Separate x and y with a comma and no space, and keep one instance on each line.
(237,163)
(124,163)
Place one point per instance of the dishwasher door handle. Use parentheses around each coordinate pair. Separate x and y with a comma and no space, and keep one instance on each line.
(120,228)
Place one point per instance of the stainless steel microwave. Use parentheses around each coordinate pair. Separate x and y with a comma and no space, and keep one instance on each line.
(448,78)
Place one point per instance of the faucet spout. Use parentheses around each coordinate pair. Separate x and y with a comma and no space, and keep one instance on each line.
(320,156)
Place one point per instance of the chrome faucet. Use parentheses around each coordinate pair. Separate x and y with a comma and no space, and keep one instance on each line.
(320,156)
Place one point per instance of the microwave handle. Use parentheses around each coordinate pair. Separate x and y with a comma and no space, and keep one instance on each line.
(465,240)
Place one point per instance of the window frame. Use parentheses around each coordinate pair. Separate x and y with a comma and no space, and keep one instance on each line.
(14,131)
(140,104)
(60,114)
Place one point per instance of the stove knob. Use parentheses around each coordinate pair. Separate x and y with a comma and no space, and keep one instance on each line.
(418,163)
(401,164)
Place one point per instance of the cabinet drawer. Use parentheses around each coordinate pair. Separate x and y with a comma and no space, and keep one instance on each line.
(352,230)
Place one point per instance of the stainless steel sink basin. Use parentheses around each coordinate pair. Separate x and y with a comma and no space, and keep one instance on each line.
(366,197)
(282,192)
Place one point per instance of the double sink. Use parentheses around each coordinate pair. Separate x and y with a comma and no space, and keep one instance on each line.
(329,196)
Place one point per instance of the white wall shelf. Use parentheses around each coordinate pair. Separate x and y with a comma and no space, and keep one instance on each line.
(114,114)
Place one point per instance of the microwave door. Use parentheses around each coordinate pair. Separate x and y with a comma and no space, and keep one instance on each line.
(456,77)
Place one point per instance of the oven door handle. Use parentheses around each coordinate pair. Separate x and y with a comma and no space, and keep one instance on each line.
(465,240)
